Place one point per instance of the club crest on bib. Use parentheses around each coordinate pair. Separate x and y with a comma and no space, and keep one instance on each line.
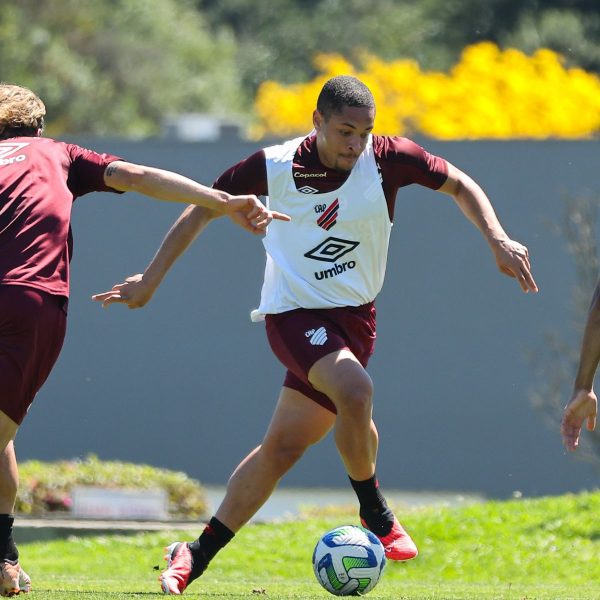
(329,214)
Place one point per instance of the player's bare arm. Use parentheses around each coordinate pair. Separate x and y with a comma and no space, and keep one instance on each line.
(163,185)
(511,257)
(137,290)
(206,204)
(247,210)
(583,404)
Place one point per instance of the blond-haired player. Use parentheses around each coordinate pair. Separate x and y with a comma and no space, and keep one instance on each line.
(40,178)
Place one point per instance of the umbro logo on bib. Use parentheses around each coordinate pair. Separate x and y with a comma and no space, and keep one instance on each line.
(331,249)
(307,189)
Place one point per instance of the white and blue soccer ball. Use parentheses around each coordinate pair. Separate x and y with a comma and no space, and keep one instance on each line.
(348,561)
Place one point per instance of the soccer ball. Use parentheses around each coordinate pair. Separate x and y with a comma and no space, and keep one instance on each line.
(348,561)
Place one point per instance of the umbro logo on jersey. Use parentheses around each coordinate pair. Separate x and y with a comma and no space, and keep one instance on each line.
(317,337)
(329,217)
(331,249)
(306,189)
(8,148)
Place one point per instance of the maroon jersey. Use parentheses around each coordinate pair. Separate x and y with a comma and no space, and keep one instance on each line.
(400,161)
(39,180)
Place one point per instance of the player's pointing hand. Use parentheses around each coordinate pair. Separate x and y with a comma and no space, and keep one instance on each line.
(251,214)
(512,259)
(135,292)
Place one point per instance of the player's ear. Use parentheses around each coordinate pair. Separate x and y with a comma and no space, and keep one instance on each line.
(317,119)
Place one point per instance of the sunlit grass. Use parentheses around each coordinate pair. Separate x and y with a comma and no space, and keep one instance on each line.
(542,549)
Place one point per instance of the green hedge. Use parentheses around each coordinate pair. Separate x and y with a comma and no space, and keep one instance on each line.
(46,486)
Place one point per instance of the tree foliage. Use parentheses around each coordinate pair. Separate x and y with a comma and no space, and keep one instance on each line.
(117,66)
(277,40)
(574,35)
(568,27)
(489,94)
(122,65)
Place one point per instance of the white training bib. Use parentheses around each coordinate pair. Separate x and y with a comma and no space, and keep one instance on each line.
(334,251)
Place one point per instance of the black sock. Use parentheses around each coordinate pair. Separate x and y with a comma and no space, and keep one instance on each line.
(8,548)
(214,537)
(373,507)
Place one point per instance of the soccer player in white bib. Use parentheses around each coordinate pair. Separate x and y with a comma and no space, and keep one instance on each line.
(323,272)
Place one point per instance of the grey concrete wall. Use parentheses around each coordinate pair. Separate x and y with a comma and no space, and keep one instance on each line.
(189,383)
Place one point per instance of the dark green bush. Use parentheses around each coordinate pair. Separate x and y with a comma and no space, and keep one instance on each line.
(46,486)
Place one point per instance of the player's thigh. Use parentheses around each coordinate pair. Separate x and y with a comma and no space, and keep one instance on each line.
(32,330)
(340,376)
(8,430)
(298,422)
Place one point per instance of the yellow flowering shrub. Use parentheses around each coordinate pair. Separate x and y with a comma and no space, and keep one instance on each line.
(490,93)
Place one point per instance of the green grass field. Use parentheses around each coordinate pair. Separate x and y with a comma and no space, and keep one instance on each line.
(547,548)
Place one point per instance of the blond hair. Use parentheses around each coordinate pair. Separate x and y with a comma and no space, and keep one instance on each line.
(20,109)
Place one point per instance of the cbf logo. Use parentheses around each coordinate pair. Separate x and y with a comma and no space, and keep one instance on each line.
(7,149)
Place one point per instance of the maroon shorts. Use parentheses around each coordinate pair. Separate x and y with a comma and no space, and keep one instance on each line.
(299,338)
(32,330)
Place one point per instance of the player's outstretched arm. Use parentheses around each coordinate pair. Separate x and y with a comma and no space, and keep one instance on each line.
(138,289)
(511,257)
(247,211)
(205,204)
(583,405)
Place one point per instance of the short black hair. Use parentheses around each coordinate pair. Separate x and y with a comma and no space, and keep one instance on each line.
(343,90)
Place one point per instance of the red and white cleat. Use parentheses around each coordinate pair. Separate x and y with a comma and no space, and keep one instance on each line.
(13,580)
(175,578)
(397,544)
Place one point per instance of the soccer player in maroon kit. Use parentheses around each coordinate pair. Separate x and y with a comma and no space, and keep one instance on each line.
(39,180)
(318,302)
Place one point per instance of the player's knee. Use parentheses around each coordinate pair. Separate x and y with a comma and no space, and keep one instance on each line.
(356,399)
(284,456)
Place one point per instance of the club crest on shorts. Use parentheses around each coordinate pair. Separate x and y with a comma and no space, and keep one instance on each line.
(317,337)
